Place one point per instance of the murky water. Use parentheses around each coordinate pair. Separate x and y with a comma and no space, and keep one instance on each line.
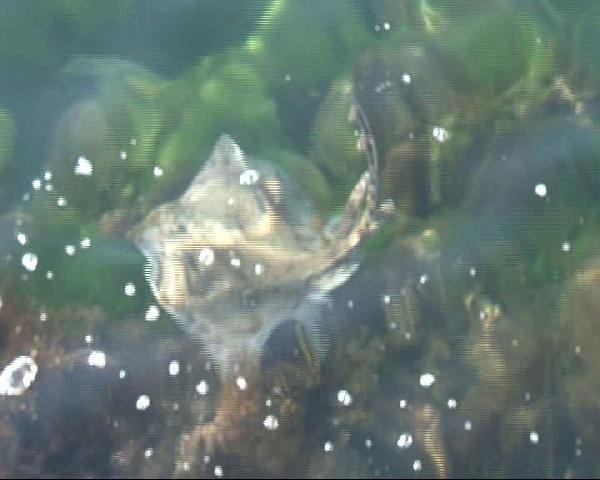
(278,238)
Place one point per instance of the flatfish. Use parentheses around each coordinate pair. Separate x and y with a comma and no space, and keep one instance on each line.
(230,260)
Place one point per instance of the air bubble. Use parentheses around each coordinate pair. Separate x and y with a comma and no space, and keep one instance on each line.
(29,261)
(202,388)
(97,359)
(249,177)
(143,402)
(83,167)
(344,398)
(270,422)
(18,376)
(405,440)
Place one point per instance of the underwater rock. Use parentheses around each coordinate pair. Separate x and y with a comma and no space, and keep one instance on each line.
(113,133)
(414,111)
(582,346)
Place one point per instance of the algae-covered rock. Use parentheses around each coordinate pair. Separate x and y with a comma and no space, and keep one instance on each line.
(414,113)
(104,145)
(489,45)
(309,43)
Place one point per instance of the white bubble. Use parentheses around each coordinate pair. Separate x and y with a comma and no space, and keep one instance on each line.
(218,471)
(344,398)
(406,78)
(123,155)
(328,446)
(129,289)
(174,368)
(377,27)
(236,262)
(122,374)
(29,261)
(468,425)
(18,376)
(206,257)
(49,274)
(386,25)
(541,190)
(403,403)
(287,77)
(350,304)
(97,359)
(47,175)
(158,171)
(440,134)
(534,437)
(426,380)
(417,465)
(148,453)
(249,177)
(423,279)
(241,383)
(259,269)
(230,201)
(270,422)
(577,349)
(70,250)
(26,197)
(83,167)
(202,388)
(88,339)
(61,201)
(143,402)
(152,313)
(43,316)
(85,242)
(452,403)
(21,238)
(36,183)
(405,440)
(527,396)
(472,271)
(368,443)
(133,142)
(387,299)
(566,247)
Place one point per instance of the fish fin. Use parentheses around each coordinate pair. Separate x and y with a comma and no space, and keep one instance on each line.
(333,279)
(227,154)
(313,335)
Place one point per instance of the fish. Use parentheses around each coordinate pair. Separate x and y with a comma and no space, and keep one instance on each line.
(230,262)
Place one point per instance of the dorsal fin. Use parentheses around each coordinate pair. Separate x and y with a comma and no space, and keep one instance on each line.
(227,154)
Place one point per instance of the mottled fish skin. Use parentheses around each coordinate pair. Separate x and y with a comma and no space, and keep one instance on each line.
(228,265)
